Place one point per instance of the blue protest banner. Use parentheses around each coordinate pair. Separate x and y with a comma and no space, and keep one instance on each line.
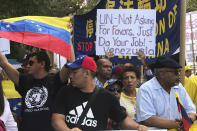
(167,27)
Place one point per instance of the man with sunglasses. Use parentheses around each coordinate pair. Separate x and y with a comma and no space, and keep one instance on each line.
(38,89)
(156,102)
(114,86)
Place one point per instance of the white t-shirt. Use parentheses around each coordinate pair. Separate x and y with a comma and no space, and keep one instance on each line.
(8,118)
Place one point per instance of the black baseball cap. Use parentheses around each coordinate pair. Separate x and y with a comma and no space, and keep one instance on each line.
(166,62)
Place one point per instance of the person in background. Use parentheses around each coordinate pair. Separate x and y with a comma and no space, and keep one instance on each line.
(116,71)
(104,71)
(190,85)
(6,116)
(188,73)
(115,87)
(156,103)
(130,78)
(147,71)
(127,65)
(13,97)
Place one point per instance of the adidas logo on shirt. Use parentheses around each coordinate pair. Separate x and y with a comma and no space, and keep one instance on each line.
(74,115)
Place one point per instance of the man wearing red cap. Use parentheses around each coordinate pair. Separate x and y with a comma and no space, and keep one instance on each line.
(72,101)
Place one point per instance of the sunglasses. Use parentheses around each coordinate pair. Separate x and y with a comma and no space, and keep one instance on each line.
(30,63)
(112,89)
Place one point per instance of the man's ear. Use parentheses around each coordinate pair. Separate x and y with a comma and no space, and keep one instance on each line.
(43,64)
(87,73)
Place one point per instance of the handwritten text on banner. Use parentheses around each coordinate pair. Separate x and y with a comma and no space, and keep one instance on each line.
(125,32)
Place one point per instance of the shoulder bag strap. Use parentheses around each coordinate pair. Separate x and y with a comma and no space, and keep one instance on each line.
(90,101)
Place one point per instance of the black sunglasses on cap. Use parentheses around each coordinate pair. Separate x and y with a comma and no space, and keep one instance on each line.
(112,89)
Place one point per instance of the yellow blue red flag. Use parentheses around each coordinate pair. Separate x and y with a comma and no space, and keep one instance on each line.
(50,33)
(187,122)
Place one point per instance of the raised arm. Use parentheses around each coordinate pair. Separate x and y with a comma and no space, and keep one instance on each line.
(12,73)
(148,72)
(64,71)
(142,56)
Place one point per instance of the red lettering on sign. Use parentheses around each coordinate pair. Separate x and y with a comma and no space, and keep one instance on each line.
(85,46)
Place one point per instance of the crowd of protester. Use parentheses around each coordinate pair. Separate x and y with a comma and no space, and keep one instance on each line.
(88,95)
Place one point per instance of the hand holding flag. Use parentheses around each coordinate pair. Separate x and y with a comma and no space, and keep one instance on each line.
(187,122)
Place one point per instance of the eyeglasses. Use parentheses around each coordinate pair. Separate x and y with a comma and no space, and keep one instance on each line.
(176,72)
(112,89)
(30,63)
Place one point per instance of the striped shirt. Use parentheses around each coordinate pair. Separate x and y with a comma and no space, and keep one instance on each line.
(130,104)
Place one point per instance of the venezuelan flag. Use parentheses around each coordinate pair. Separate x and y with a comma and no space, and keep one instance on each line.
(187,122)
(50,33)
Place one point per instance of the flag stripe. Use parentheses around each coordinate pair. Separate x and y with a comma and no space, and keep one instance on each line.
(187,122)
(183,112)
(36,27)
(60,22)
(179,107)
(43,41)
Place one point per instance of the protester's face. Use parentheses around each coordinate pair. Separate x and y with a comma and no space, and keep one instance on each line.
(76,77)
(116,90)
(171,76)
(33,66)
(188,73)
(105,70)
(129,81)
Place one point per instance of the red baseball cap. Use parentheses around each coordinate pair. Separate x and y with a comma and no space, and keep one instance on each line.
(83,61)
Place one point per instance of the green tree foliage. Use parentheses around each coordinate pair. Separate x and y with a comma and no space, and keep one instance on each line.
(58,8)
(64,7)
(88,7)
(191,5)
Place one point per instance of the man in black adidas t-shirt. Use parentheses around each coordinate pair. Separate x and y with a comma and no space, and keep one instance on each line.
(72,100)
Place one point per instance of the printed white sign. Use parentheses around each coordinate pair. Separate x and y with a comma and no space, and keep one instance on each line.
(5,46)
(125,31)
